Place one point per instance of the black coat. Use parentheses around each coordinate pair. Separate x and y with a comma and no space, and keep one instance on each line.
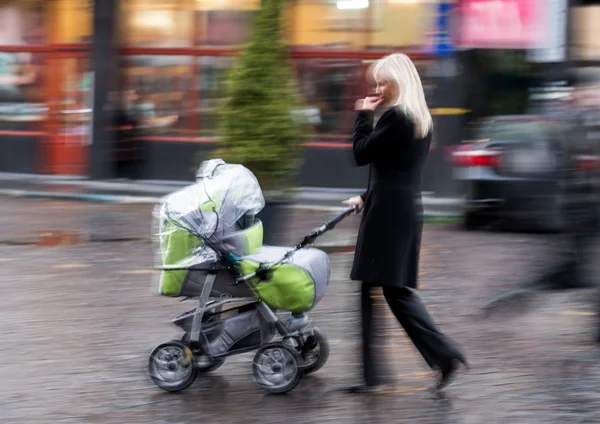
(387,250)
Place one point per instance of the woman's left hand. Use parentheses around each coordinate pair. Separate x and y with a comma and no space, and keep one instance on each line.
(356,201)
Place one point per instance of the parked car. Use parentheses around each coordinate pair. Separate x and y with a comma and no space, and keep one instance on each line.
(521,170)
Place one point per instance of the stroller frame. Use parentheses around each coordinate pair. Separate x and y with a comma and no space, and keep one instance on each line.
(205,305)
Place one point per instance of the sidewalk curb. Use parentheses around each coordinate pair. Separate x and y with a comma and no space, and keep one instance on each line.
(152,200)
(80,197)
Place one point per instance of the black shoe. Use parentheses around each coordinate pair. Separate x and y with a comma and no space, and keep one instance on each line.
(448,372)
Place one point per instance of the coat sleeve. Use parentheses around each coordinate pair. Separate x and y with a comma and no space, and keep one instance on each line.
(368,142)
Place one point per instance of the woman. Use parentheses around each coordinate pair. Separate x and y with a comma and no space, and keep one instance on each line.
(387,250)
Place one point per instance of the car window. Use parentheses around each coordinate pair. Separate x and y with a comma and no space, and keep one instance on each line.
(485,131)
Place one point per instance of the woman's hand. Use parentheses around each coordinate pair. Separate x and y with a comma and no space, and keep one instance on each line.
(355,201)
(368,103)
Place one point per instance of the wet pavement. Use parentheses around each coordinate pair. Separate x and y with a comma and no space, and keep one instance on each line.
(78,321)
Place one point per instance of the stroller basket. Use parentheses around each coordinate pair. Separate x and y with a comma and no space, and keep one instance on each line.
(237,333)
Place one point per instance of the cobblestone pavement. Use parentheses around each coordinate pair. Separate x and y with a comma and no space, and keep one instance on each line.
(77,323)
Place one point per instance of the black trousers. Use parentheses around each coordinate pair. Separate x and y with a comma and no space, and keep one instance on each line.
(436,348)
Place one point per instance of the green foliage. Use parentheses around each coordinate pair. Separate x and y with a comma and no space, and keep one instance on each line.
(256,123)
(509,102)
(506,78)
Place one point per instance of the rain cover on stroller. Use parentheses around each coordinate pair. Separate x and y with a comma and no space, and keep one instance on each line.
(224,199)
(218,213)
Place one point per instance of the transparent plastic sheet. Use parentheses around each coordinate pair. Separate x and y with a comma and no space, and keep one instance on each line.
(224,198)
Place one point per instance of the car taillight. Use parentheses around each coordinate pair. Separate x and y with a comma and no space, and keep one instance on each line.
(479,158)
(587,163)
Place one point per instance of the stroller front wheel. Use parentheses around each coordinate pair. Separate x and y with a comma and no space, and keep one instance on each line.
(277,368)
(172,366)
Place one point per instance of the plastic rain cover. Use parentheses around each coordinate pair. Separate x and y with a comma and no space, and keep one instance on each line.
(222,196)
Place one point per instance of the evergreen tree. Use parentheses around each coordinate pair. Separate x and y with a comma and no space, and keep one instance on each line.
(257,126)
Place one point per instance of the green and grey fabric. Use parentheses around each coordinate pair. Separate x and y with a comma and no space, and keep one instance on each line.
(224,286)
(187,278)
(297,285)
(191,282)
(244,242)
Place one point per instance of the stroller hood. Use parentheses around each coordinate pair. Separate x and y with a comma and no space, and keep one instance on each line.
(213,206)
(223,201)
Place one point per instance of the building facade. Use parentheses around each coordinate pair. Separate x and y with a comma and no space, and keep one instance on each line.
(60,58)
(170,56)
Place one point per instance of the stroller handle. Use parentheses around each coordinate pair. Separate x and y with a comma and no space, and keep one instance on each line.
(329,225)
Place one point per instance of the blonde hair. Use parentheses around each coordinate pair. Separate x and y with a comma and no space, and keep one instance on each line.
(400,70)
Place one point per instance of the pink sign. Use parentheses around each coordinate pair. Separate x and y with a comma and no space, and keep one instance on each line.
(500,24)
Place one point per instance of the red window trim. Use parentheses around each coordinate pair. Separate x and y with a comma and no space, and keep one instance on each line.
(81,49)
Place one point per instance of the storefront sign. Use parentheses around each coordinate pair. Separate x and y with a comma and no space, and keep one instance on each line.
(443,44)
(500,24)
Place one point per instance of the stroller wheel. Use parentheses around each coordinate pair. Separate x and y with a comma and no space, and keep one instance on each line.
(204,364)
(315,351)
(172,366)
(277,368)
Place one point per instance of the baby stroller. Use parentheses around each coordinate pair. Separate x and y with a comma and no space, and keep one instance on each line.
(211,250)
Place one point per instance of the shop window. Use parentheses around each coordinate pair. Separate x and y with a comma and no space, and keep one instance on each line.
(176,23)
(330,88)
(320,23)
(400,23)
(22,23)
(224,23)
(157,23)
(210,82)
(24,76)
(179,96)
(61,14)
(358,24)
(21,85)
(73,105)
(158,91)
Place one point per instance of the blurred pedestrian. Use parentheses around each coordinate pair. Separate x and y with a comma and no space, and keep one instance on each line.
(579,181)
(387,251)
(129,149)
(579,207)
